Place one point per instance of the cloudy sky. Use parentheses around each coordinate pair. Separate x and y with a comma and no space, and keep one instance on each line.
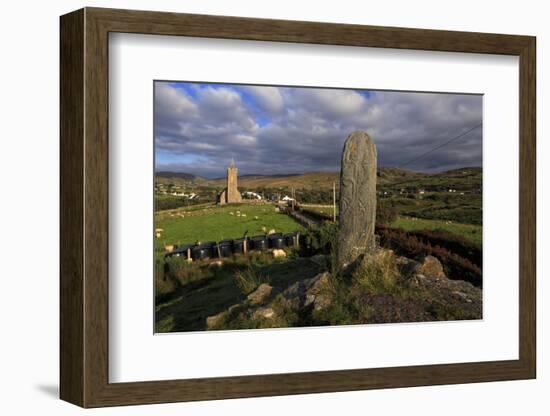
(199,127)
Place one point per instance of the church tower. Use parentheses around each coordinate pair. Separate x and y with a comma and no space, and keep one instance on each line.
(230,194)
(233,194)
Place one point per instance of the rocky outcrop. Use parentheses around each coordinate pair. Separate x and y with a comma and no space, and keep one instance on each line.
(215,320)
(260,294)
(310,292)
(421,292)
(263,313)
(457,295)
(431,267)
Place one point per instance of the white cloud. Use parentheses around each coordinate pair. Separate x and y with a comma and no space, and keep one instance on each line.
(269,98)
(303,129)
(328,101)
(174,103)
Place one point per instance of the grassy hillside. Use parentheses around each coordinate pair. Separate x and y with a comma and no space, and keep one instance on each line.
(466,179)
(470,232)
(455,195)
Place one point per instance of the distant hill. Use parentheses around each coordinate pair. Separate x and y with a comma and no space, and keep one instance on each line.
(467,178)
(309,180)
(179,175)
(463,179)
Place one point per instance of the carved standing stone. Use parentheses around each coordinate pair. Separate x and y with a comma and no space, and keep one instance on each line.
(357,214)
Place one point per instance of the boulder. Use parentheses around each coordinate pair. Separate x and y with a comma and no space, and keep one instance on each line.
(454,294)
(263,313)
(431,267)
(313,291)
(260,294)
(213,321)
(319,294)
(407,266)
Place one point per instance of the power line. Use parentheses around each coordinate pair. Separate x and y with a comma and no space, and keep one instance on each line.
(441,145)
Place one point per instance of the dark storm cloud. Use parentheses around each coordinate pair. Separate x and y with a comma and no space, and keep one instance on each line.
(270,130)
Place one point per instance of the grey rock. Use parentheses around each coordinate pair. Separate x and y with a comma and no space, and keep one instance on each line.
(306,292)
(357,198)
(214,320)
(431,267)
(263,312)
(260,294)
(457,294)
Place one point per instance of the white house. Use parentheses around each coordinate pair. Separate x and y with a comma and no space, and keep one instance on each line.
(252,195)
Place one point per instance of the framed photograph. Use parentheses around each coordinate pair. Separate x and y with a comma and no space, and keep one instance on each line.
(255,207)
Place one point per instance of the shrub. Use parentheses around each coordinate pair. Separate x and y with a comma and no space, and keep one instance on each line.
(322,238)
(379,273)
(454,243)
(181,271)
(164,284)
(249,279)
(417,245)
(385,212)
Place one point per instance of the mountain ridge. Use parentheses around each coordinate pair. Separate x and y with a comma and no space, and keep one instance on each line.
(387,176)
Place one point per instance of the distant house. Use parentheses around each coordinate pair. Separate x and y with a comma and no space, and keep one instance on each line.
(421,191)
(252,195)
(287,198)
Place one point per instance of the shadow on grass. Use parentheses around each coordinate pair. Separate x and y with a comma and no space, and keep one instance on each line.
(191,304)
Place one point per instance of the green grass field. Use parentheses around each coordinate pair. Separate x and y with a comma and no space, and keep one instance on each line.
(471,232)
(217,223)
(468,231)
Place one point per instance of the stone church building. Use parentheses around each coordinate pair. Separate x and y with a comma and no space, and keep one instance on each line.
(230,194)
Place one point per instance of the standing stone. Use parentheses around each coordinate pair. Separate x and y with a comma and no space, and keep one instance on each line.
(357,215)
